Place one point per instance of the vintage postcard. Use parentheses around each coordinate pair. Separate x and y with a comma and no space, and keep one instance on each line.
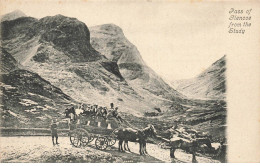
(129,81)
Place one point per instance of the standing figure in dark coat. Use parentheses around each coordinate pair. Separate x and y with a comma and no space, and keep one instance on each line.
(54,132)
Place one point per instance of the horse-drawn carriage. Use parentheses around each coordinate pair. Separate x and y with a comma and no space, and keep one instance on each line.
(87,128)
(107,129)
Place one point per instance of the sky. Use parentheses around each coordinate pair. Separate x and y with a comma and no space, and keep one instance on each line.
(177,40)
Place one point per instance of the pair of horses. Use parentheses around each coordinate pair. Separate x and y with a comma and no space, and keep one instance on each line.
(140,136)
(134,135)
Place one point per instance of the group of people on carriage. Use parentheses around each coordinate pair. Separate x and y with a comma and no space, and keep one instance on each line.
(93,111)
(180,136)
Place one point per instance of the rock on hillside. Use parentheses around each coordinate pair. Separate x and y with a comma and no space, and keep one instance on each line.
(211,84)
(109,39)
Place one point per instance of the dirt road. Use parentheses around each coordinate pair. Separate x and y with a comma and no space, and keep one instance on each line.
(40,149)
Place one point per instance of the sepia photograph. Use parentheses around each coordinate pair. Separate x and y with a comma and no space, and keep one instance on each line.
(115,82)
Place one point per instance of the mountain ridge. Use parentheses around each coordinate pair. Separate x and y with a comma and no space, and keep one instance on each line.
(110,40)
(210,84)
(94,66)
(98,77)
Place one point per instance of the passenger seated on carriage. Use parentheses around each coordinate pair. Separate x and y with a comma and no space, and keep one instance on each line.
(111,107)
(79,110)
(116,115)
(104,112)
(98,113)
(70,112)
(114,112)
(67,113)
(87,111)
(92,110)
(95,110)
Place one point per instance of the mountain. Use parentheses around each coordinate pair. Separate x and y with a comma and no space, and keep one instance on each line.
(27,100)
(58,61)
(110,41)
(210,84)
(13,15)
(64,34)
(58,48)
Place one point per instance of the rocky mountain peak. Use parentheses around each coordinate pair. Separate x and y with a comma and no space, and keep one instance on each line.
(108,29)
(110,40)
(12,15)
(64,34)
(69,35)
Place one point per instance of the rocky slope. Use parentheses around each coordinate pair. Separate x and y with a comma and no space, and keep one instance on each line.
(206,116)
(210,84)
(109,40)
(27,100)
(7,62)
(58,49)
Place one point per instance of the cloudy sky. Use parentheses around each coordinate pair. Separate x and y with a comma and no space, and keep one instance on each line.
(177,40)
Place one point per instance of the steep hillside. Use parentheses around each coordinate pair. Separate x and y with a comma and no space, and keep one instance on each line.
(208,116)
(211,84)
(27,100)
(109,39)
(7,62)
(58,49)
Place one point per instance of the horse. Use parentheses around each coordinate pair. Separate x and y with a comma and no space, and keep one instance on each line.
(134,135)
(190,146)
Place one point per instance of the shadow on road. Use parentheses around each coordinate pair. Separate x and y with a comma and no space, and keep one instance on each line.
(130,157)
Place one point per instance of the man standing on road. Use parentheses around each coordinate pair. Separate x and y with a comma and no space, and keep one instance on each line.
(54,132)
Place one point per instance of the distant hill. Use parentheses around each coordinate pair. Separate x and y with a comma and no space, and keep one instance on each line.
(210,84)
(12,16)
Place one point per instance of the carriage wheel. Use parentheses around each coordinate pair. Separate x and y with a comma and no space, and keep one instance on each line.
(111,140)
(79,137)
(74,140)
(84,138)
(101,143)
(91,137)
